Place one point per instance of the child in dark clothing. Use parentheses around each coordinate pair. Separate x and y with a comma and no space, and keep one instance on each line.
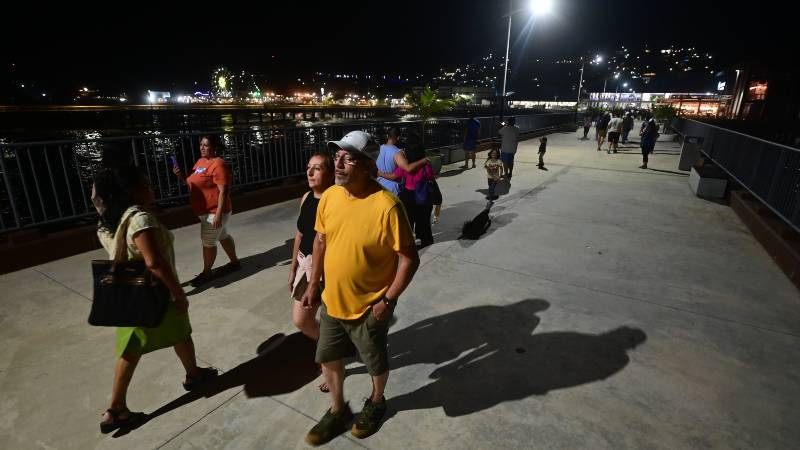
(542,150)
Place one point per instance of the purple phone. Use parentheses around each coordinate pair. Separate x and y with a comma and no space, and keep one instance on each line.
(174,160)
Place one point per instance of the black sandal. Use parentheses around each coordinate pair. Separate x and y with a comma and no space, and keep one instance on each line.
(133,419)
(201,279)
(206,373)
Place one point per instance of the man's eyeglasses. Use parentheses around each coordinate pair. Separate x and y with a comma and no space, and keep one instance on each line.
(346,159)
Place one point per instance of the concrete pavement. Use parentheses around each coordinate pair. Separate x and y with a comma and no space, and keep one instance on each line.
(606,307)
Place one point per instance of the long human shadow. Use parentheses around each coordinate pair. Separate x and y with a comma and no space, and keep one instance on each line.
(487,355)
(453,218)
(452,172)
(251,265)
(541,363)
(283,364)
(502,188)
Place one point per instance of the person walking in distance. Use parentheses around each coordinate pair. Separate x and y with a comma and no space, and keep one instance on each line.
(614,131)
(419,214)
(210,197)
(602,126)
(627,126)
(509,134)
(471,133)
(587,124)
(648,141)
(390,158)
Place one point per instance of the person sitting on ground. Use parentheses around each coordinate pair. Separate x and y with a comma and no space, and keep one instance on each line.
(210,197)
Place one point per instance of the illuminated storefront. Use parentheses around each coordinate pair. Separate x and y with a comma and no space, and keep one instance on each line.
(698,104)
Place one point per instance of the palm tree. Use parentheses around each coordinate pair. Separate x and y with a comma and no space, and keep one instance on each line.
(428,104)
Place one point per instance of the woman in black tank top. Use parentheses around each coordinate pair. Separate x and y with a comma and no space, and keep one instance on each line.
(320,175)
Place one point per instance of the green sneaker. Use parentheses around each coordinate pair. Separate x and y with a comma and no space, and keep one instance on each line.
(369,418)
(330,426)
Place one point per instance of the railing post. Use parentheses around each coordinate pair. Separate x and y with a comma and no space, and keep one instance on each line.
(10,191)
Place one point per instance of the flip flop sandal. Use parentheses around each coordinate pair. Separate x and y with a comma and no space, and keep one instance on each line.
(206,373)
(134,418)
(201,279)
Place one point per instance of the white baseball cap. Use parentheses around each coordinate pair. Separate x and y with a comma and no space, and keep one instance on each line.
(354,141)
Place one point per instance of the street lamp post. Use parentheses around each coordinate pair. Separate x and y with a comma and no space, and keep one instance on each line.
(580,84)
(508,47)
(537,7)
(597,59)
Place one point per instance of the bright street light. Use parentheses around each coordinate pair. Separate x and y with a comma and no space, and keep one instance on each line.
(540,7)
(537,8)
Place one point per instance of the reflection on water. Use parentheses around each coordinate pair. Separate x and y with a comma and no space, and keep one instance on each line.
(86,155)
(227,123)
(34,127)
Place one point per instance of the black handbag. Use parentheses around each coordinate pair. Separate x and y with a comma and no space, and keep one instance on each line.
(126,293)
(427,193)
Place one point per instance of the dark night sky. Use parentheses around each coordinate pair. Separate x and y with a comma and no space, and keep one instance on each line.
(154,45)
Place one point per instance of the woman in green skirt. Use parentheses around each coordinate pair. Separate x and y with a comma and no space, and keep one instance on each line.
(121,197)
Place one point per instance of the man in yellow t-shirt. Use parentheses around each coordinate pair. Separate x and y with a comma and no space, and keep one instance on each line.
(366,250)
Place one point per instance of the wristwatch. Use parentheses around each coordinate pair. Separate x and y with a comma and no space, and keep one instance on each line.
(390,302)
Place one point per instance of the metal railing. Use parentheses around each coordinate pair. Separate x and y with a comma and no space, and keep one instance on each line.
(49,182)
(770,171)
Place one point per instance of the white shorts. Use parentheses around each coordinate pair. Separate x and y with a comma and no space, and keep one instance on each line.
(209,235)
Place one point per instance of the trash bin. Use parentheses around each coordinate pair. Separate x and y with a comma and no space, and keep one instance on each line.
(690,152)
(436,160)
(708,181)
